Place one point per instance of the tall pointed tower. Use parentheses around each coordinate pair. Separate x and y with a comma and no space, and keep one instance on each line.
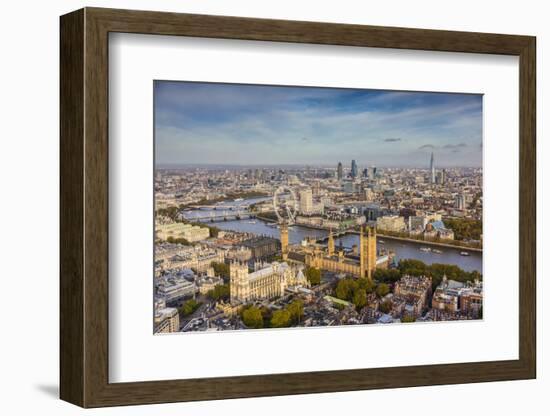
(371,251)
(362,256)
(367,251)
(330,243)
(432,169)
(284,240)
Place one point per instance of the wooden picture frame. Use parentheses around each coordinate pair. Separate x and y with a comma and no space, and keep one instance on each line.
(84,207)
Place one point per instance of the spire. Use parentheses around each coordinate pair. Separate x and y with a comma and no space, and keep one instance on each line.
(362,251)
(432,169)
(284,240)
(330,243)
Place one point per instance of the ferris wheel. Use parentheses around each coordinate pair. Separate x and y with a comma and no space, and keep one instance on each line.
(285,204)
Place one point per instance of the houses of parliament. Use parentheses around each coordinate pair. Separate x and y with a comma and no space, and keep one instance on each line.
(270,280)
(361,264)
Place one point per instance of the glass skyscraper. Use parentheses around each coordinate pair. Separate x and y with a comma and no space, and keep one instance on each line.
(353,169)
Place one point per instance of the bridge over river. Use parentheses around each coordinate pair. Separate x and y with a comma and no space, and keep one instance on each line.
(217,216)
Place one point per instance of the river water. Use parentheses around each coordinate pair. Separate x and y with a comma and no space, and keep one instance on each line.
(402,249)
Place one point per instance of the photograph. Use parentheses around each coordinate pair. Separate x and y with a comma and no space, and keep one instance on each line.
(299,207)
(266,208)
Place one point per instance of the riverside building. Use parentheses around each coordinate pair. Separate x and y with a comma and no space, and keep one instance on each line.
(363,266)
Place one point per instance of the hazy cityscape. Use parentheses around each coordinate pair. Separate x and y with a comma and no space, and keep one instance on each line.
(381,223)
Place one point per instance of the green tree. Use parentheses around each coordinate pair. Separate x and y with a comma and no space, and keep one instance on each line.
(189,307)
(170,212)
(252,317)
(313,275)
(220,292)
(266,315)
(412,267)
(366,284)
(280,319)
(387,275)
(342,290)
(179,240)
(296,310)
(221,269)
(464,228)
(382,290)
(475,275)
(345,289)
(360,298)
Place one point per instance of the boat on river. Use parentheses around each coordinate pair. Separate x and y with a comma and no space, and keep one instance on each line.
(464,253)
(436,251)
(425,249)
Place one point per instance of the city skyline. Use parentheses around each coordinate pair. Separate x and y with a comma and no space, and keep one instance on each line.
(252,125)
(346,166)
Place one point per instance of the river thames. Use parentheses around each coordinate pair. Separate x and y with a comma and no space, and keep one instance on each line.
(402,249)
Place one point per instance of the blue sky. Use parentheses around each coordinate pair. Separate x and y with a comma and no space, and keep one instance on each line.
(209,123)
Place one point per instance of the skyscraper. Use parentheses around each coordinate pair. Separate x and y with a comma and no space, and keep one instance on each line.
(432,169)
(353,169)
(440,177)
(340,171)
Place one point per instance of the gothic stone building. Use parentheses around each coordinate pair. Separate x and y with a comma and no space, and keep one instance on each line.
(267,281)
(338,263)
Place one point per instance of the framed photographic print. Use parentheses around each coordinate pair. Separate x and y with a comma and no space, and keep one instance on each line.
(257,207)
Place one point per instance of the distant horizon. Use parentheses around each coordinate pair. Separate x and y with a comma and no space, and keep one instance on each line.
(199,123)
(295,165)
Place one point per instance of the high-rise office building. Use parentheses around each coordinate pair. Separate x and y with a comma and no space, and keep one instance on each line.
(366,173)
(432,169)
(440,177)
(374,172)
(353,169)
(340,171)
